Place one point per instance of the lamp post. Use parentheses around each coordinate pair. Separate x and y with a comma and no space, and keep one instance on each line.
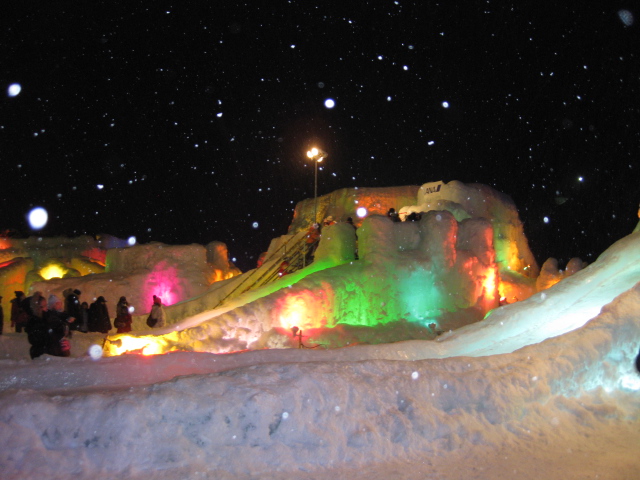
(316,156)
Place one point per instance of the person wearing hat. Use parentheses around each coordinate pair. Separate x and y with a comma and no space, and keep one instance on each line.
(123,317)
(328,221)
(156,317)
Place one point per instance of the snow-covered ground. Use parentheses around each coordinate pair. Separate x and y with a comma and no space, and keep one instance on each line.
(545,388)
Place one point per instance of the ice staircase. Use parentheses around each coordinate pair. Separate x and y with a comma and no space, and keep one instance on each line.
(292,250)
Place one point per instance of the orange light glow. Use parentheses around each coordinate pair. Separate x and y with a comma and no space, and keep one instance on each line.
(302,309)
(489,282)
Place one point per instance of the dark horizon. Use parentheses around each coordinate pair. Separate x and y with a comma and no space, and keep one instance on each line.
(195,120)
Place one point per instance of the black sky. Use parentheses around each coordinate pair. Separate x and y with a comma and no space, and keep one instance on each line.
(195,116)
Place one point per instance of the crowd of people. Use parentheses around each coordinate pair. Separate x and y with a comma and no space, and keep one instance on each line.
(50,322)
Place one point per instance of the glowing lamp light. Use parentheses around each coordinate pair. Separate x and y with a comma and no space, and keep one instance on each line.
(38,218)
(329,103)
(131,241)
(315,154)
(361,212)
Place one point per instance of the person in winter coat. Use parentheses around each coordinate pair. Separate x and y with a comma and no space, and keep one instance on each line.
(38,331)
(58,323)
(99,320)
(157,313)
(311,242)
(123,318)
(72,307)
(19,316)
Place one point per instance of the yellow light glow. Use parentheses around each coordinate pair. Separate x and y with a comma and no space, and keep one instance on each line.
(152,349)
(147,344)
(125,344)
(52,271)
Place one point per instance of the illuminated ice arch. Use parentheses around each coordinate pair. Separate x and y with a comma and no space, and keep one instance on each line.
(561,311)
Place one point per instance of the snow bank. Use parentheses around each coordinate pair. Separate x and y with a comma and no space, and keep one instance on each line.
(290,415)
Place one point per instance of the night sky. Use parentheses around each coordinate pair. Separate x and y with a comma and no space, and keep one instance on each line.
(189,121)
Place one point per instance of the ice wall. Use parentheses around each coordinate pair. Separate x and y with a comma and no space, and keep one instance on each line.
(481,201)
(343,203)
(436,274)
(174,273)
(40,249)
(22,261)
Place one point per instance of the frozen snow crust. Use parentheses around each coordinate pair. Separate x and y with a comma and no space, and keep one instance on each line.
(278,413)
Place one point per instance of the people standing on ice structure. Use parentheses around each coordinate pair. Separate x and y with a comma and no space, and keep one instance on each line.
(19,316)
(58,322)
(311,242)
(99,320)
(123,317)
(157,313)
(38,331)
(72,305)
(393,215)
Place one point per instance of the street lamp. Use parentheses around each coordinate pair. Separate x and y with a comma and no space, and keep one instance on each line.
(316,156)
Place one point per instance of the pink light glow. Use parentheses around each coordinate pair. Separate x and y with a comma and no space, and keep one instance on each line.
(164,282)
